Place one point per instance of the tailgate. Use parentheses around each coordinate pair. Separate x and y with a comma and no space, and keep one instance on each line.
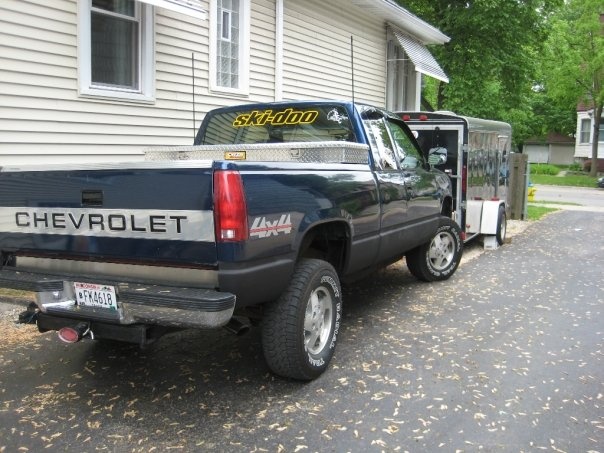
(150,213)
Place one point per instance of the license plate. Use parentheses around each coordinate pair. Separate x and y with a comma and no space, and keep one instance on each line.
(92,295)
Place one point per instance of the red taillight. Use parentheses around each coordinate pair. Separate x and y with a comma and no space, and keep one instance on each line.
(406,117)
(230,210)
(74,334)
(69,335)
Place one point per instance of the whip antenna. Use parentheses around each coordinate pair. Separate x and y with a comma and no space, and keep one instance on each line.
(193,77)
(352,65)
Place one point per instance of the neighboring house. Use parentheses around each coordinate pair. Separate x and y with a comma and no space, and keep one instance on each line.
(554,149)
(100,80)
(585,134)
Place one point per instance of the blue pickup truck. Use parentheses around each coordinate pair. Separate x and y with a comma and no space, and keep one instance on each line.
(257,223)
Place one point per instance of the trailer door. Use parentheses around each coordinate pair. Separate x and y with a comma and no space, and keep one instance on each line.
(431,135)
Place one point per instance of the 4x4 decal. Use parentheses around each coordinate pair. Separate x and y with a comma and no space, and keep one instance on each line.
(263,227)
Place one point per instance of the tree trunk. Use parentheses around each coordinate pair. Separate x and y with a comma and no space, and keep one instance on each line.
(440,96)
(593,171)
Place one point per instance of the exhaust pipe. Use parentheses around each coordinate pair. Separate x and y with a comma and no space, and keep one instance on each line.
(237,326)
(74,334)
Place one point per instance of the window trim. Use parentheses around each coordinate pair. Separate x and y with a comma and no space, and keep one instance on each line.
(587,131)
(146,91)
(244,50)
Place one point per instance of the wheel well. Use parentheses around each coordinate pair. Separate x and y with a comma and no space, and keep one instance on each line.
(447,207)
(328,242)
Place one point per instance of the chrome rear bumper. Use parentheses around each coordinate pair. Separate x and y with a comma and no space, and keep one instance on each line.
(137,302)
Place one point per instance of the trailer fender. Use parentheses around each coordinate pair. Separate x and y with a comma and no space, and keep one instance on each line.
(473,216)
(490,216)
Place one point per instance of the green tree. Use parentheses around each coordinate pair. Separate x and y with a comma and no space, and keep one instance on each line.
(492,58)
(574,60)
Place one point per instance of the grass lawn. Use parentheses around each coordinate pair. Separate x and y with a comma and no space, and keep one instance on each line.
(16,294)
(568,180)
(535,212)
(566,203)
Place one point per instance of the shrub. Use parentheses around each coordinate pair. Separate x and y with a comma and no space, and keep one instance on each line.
(544,169)
(575,167)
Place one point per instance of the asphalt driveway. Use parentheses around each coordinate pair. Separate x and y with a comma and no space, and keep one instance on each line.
(508,355)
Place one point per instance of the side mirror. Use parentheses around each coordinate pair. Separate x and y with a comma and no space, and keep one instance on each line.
(437,156)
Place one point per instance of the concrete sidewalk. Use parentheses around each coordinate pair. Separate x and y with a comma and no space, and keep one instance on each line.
(567,207)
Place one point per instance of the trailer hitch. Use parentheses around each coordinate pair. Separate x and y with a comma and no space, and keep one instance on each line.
(30,315)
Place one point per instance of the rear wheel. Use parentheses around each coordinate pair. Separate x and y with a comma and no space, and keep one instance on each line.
(438,258)
(300,329)
(501,226)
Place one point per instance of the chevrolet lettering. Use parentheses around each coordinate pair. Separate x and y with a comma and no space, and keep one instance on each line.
(254,226)
(174,225)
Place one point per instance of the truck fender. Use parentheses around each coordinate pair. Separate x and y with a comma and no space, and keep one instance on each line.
(327,239)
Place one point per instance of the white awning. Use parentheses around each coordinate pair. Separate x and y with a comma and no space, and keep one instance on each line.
(189,7)
(421,57)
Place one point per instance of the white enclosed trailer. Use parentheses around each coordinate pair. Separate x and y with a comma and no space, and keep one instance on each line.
(477,163)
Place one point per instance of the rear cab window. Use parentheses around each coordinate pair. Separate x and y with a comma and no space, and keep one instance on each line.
(295,123)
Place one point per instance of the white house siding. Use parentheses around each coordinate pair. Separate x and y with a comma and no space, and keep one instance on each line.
(37,79)
(562,154)
(537,154)
(317,56)
(262,51)
(583,150)
(178,39)
(44,120)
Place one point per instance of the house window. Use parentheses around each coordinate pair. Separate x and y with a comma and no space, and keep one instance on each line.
(585,130)
(115,48)
(400,79)
(229,45)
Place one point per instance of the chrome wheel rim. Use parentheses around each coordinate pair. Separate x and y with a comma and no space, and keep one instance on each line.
(318,320)
(442,251)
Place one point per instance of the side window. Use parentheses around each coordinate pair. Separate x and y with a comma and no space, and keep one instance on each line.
(384,153)
(229,45)
(115,49)
(408,155)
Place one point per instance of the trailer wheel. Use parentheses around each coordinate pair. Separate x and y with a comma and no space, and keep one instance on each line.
(501,226)
(300,329)
(438,258)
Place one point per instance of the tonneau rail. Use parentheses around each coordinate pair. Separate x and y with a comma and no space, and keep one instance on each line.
(305,152)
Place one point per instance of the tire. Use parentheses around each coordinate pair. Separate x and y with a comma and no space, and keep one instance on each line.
(438,258)
(501,226)
(300,329)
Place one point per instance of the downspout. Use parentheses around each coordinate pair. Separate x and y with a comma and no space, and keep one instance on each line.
(418,91)
(278,50)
